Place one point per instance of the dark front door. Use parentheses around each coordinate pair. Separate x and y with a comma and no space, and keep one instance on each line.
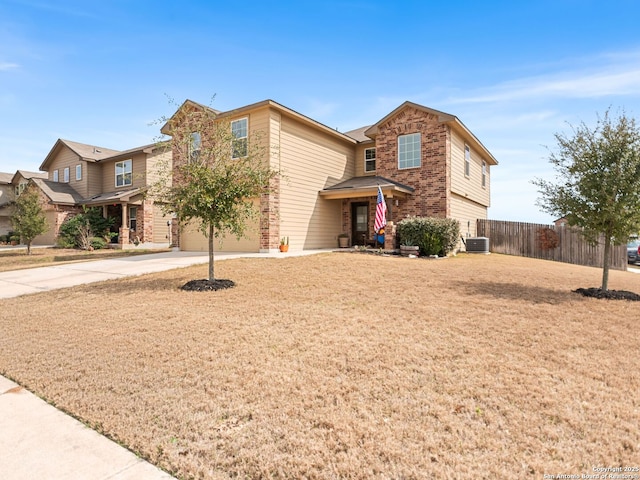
(359,223)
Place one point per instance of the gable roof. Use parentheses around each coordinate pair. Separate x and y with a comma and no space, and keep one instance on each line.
(443,117)
(58,192)
(27,175)
(88,153)
(265,103)
(358,134)
(6,178)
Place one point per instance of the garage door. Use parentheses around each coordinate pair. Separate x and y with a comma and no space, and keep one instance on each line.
(192,240)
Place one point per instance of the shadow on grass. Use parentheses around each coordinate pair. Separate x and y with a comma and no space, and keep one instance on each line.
(515,291)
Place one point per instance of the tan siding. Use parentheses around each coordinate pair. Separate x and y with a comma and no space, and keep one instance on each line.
(469,187)
(359,159)
(154,163)
(160,228)
(138,168)
(311,160)
(467,212)
(94,179)
(66,158)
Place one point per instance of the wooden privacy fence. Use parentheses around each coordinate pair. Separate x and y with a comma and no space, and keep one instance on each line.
(548,242)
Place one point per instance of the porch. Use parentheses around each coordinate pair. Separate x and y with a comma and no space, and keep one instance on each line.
(359,200)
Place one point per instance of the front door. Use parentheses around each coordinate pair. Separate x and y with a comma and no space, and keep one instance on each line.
(359,223)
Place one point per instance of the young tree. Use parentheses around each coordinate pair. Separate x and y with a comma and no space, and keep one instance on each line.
(598,182)
(218,170)
(29,219)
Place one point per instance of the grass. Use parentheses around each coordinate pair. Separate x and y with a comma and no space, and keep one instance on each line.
(344,366)
(43,257)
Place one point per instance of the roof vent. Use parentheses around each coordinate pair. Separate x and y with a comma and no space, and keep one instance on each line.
(96,150)
(477,245)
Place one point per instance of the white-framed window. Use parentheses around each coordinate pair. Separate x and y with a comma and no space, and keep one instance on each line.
(240,132)
(409,151)
(124,176)
(55,176)
(370,159)
(133,218)
(467,161)
(65,175)
(195,142)
(79,172)
(20,188)
(484,173)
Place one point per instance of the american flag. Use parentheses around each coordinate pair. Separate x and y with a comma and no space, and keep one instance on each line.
(381,212)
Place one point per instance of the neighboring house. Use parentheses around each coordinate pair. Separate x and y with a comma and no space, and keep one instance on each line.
(80,175)
(6,197)
(426,162)
(12,185)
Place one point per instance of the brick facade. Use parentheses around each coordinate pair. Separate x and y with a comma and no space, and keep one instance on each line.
(269,222)
(432,180)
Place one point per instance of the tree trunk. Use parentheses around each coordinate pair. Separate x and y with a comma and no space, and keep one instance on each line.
(29,247)
(211,277)
(605,267)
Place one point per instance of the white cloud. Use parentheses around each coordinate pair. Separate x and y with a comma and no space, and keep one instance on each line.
(7,66)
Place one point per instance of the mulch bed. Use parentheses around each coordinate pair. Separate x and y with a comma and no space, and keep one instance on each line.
(208,285)
(608,294)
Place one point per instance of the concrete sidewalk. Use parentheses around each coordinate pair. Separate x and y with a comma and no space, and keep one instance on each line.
(39,441)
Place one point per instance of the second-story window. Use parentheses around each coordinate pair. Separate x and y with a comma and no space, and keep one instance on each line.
(79,172)
(240,132)
(484,173)
(195,142)
(409,151)
(124,175)
(55,176)
(65,175)
(467,161)
(370,159)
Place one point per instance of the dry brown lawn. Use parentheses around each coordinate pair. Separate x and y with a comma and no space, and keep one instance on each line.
(42,257)
(345,366)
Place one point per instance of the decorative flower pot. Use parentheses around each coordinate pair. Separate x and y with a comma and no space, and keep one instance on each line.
(406,250)
(284,248)
(343,242)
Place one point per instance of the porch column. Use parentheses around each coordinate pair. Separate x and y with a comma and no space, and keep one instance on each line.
(123,233)
(105,210)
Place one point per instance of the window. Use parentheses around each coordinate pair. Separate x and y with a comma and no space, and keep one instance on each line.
(55,175)
(484,173)
(20,188)
(239,130)
(370,159)
(79,172)
(65,175)
(133,213)
(467,161)
(409,150)
(194,146)
(123,173)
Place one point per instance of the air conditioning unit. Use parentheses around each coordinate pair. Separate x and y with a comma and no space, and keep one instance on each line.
(477,245)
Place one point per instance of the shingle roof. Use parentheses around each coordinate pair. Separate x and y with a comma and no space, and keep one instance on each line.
(90,152)
(369,182)
(109,197)
(58,192)
(6,177)
(358,134)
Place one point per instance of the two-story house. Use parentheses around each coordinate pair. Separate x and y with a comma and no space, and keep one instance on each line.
(11,185)
(426,162)
(81,175)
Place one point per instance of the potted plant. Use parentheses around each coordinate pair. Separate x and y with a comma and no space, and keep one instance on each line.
(409,247)
(14,239)
(284,244)
(343,240)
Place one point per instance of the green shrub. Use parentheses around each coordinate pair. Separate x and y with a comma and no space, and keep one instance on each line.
(434,236)
(97,243)
(79,230)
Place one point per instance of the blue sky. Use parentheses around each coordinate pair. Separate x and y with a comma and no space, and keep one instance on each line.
(514,72)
